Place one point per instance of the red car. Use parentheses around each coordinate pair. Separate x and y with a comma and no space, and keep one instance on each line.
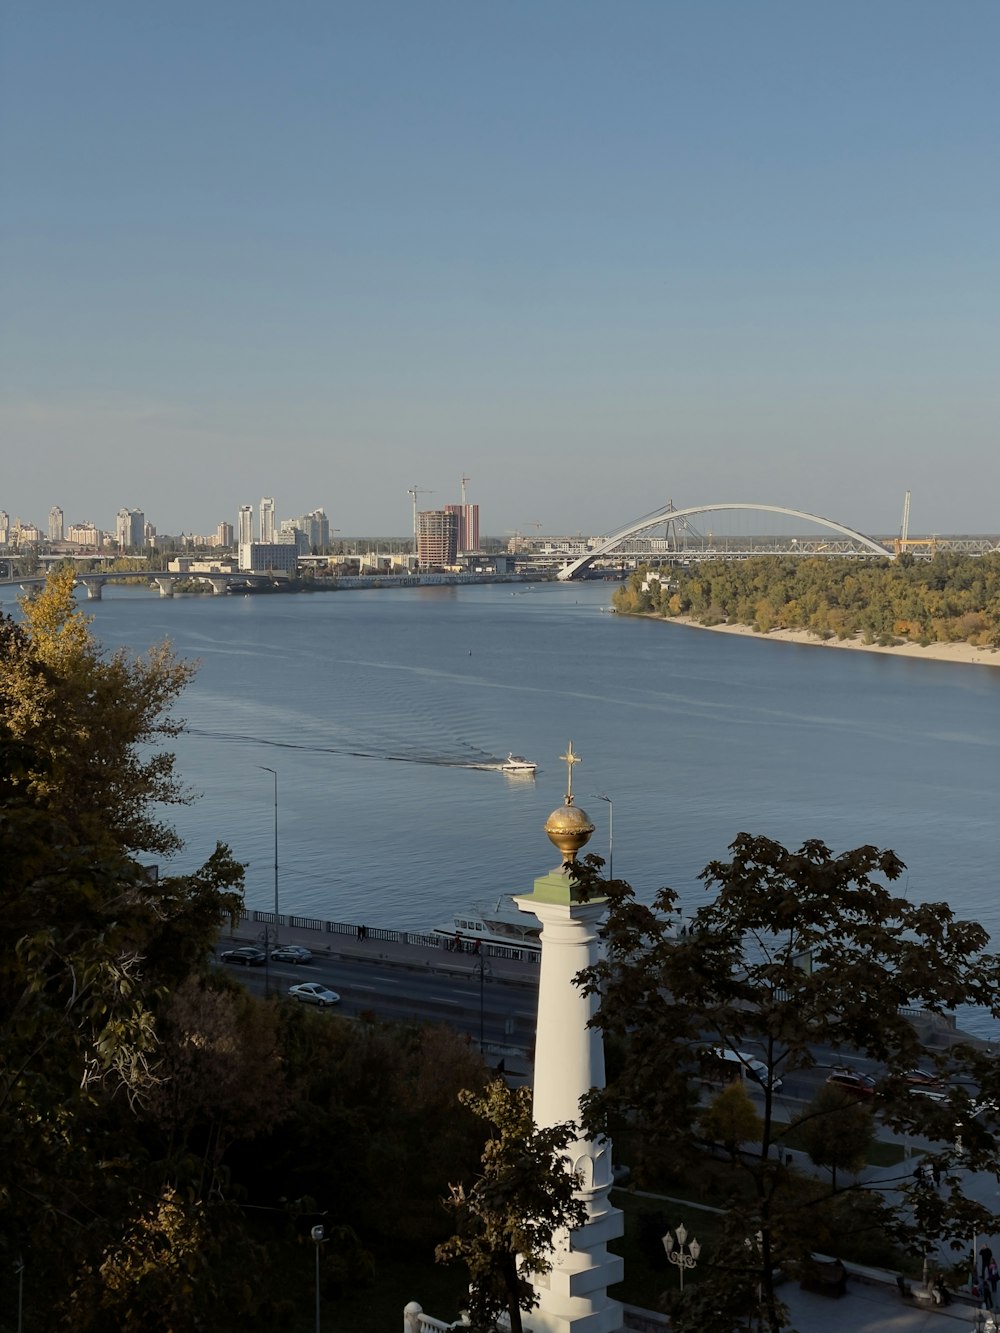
(861,1085)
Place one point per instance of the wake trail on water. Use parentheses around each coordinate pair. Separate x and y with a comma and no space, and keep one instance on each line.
(484,762)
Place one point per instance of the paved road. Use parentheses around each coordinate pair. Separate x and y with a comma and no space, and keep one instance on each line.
(410,982)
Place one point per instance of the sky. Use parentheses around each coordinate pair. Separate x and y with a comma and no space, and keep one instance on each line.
(592,255)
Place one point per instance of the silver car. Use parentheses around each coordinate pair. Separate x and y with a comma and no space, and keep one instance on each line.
(291,953)
(311,992)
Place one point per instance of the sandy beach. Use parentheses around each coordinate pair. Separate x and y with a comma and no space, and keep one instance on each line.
(963,653)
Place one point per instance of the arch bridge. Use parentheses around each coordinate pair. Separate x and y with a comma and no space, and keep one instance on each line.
(843,541)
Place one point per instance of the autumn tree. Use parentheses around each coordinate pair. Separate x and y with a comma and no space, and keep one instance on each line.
(509,1216)
(796,950)
(93,941)
(93,721)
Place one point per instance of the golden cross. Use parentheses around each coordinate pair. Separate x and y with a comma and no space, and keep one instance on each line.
(570,759)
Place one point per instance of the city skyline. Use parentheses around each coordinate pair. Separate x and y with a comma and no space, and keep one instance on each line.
(595,256)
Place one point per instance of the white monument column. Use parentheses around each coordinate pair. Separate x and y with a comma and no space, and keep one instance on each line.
(569,1062)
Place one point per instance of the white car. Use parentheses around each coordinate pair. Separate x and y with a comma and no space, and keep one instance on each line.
(311,992)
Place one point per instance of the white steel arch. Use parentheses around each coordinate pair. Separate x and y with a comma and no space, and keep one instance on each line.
(653,520)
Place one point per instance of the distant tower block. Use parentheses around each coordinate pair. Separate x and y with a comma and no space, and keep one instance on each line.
(569,1062)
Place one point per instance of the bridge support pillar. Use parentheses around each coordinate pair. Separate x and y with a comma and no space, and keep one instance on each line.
(166,587)
(219,587)
(95,591)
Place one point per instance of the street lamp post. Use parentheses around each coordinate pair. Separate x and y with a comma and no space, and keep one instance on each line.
(675,1251)
(317,1235)
(484,970)
(611,832)
(264,769)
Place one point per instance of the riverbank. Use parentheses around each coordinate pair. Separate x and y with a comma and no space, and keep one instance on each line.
(935,652)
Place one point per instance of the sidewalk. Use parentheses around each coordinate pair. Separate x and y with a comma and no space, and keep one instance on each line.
(875,1307)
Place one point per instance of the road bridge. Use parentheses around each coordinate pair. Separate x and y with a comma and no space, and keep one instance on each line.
(165,579)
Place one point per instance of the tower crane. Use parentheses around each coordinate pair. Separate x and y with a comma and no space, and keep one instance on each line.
(464,480)
(413,492)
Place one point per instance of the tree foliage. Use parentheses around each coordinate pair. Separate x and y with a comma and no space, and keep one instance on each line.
(798,956)
(836,1130)
(508,1218)
(949,599)
(93,723)
(93,940)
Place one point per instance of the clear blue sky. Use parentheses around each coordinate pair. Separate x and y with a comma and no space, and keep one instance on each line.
(594,255)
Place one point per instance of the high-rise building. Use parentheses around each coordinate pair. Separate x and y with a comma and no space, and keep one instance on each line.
(267,519)
(437,538)
(315,528)
(4,526)
(224,534)
(468,525)
(244,525)
(56,524)
(85,534)
(130,529)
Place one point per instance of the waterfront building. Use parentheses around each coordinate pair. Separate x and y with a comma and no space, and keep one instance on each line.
(223,535)
(56,524)
(244,525)
(468,525)
(269,557)
(267,519)
(437,538)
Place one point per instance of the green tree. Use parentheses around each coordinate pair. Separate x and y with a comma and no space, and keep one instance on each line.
(93,940)
(94,723)
(508,1217)
(794,950)
(731,1119)
(836,1131)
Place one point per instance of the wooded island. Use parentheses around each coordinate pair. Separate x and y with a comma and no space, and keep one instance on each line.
(949,599)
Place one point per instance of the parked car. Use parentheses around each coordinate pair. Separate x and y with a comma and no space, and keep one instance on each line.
(247,956)
(920,1078)
(862,1085)
(291,953)
(311,992)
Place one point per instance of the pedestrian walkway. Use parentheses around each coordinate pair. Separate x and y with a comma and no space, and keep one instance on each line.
(877,1307)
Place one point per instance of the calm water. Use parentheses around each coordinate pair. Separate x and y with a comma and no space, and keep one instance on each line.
(370,704)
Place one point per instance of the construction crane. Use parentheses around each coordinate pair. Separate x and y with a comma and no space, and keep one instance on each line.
(464,480)
(413,492)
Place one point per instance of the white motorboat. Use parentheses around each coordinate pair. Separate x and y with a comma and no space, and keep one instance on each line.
(502,923)
(516,763)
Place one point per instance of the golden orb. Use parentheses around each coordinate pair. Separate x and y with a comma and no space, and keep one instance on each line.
(569,829)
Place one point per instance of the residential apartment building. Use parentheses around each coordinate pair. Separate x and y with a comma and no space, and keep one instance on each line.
(437,538)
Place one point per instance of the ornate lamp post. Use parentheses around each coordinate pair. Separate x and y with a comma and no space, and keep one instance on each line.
(318,1237)
(676,1250)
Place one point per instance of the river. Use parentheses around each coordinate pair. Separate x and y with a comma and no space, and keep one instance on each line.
(372,706)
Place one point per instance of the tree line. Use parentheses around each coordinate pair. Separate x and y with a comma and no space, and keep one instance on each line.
(948,599)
